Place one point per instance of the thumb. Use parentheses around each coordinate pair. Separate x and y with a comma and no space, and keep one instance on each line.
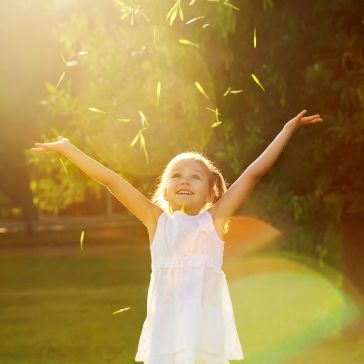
(301,113)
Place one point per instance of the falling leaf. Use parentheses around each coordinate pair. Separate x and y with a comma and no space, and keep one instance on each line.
(171,10)
(255,38)
(172,14)
(135,139)
(81,239)
(144,119)
(71,63)
(82,53)
(194,19)
(126,14)
(257,81)
(199,87)
(123,120)
(187,42)
(215,111)
(192,2)
(180,12)
(128,10)
(214,125)
(227,91)
(64,61)
(93,109)
(121,310)
(158,91)
(236,91)
(232,6)
(60,79)
(205,25)
(142,145)
(64,166)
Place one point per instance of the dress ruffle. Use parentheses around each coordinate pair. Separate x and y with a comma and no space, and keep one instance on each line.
(188,356)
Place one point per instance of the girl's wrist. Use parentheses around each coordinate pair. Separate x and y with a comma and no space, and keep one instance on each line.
(289,126)
(66,147)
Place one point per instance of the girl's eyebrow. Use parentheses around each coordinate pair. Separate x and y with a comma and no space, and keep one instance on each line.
(176,169)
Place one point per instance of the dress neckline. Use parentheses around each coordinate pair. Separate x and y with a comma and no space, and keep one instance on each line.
(185,214)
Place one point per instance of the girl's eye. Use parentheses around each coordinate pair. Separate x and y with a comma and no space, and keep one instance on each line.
(196,175)
(176,174)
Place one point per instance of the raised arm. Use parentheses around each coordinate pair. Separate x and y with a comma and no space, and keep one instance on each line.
(138,204)
(242,187)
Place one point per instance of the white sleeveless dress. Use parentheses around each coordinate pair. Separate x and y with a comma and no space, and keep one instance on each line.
(190,318)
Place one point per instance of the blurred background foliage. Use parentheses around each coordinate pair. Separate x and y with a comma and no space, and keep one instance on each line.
(91,71)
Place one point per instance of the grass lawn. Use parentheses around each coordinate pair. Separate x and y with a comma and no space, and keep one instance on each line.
(56,305)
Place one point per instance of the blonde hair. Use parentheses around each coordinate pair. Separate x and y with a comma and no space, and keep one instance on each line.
(216,181)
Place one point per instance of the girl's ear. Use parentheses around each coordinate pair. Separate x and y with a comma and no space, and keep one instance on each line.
(211,196)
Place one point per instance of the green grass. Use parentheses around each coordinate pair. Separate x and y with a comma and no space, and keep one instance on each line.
(56,305)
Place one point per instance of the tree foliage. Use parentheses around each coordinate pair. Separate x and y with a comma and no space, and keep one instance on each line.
(138,82)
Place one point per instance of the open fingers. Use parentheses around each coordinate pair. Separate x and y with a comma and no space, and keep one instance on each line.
(312,119)
(39,149)
(316,120)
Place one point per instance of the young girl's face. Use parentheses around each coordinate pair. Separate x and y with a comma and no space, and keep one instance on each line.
(188,185)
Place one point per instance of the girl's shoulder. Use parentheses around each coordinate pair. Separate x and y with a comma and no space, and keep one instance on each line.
(151,226)
(220,223)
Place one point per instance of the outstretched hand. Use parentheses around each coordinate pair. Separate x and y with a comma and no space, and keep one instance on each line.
(301,120)
(57,146)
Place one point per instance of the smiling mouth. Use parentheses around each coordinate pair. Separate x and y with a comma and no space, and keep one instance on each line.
(186,193)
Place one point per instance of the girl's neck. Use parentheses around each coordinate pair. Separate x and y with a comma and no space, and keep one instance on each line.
(187,212)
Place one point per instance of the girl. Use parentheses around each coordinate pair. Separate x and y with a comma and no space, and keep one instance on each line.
(190,317)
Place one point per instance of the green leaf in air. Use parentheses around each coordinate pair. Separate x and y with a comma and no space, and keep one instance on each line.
(64,166)
(94,109)
(194,19)
(172,14)
(187,42)
(255,78)
(227,91)
(158,91)
(143,119)
(121,310)
(82,238)
(226,3)
(180,12)
(142,145)
(64,61)
(60,79)
(135,139)
(200,88)
(214,111)
(214,125)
